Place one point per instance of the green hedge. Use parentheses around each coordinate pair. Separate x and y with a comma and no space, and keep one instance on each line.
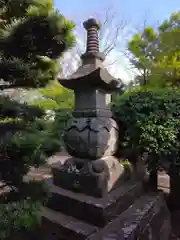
(149,122)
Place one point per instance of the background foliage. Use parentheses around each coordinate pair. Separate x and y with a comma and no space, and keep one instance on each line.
(155,53)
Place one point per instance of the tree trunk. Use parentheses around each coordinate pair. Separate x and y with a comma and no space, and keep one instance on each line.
(153,179)
(174,198)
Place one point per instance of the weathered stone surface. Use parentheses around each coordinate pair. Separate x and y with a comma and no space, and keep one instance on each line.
(76,174)
(91,138)
(28,235)
(147,219)
(90,98)
(92,102)
(64,227)
(96,211)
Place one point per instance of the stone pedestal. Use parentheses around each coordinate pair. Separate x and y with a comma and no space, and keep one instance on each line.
(74,216)
(126,213)
(100,175)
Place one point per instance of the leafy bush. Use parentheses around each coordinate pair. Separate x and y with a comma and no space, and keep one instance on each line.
(149,122)
(18,216)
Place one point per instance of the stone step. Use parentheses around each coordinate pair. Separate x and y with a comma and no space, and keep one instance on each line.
(56,225)
(95,211)
(148,218)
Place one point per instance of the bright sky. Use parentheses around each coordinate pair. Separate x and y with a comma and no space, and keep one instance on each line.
(134,11)
(157,9)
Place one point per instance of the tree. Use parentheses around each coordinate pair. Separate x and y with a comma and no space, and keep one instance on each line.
(142,48)
(33,36)
(155,53)
(168,65)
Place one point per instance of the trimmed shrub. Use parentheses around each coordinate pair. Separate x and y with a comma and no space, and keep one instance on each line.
(149,122)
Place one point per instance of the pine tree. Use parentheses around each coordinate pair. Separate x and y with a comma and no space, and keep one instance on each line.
(33,37)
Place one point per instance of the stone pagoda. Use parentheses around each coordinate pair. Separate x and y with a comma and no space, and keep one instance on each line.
(91,137)
(90,196)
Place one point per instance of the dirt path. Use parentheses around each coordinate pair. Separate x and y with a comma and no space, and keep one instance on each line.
(44,172)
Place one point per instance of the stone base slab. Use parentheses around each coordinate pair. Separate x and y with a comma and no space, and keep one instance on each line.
(96,211)
(57,226)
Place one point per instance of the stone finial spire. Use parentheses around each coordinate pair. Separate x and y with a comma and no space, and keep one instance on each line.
(92,27)
(92,49)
